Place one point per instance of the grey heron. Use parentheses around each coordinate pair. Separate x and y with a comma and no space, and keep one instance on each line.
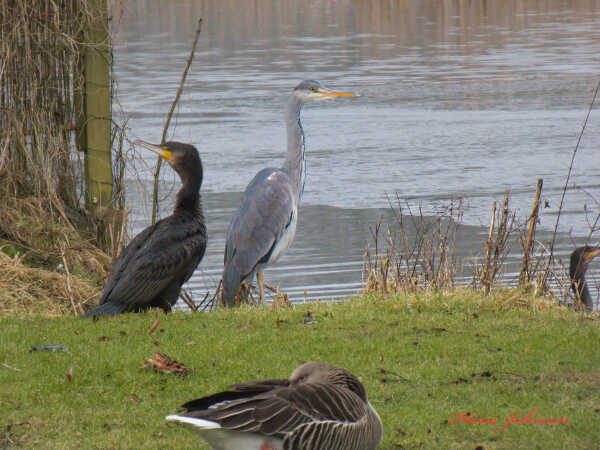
(149,272)
(319,406)
(579,261)
(265,223)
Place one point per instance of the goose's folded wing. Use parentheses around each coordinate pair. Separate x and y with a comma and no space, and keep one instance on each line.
(279,411)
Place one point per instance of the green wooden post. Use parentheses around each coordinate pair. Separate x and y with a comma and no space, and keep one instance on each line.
(96,67)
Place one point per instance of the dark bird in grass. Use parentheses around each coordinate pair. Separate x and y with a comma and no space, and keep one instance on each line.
(150,271)
(265,224)
(580,259)
(319,407)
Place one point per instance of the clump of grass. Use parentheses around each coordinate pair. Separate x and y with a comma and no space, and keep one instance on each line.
(48,239)
(26,290)
(501,227)
(419,254)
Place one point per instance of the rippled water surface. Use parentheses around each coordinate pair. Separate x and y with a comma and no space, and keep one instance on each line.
(458,100)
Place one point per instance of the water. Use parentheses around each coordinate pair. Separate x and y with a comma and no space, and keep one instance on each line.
(458,100)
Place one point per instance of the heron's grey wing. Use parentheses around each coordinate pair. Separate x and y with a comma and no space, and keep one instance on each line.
(263,216)
(162,254)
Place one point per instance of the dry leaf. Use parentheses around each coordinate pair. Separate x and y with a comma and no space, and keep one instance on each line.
(70,375)
(162,363)
(134,398)
(154,326)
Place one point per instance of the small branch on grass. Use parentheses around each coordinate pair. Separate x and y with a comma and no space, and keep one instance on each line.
(187,299)
(84,301)
(10,367)
(164,135)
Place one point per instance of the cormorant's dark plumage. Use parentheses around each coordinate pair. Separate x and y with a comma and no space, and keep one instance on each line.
(580,258)
(151,269)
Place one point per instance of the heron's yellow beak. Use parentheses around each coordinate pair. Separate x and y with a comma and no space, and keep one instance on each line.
(161,150)
(330,93)
(591,255)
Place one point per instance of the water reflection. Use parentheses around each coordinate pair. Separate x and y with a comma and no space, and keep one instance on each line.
(459,100)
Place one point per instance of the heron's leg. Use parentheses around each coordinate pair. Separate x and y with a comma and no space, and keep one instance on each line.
(261,286)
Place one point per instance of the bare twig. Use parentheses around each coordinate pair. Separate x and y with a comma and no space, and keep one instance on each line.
(10,367)
(68,278)
(173,105)
(187,299)
(564,192)
(524,276)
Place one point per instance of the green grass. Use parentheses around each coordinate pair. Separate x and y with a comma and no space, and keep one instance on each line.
(421,358)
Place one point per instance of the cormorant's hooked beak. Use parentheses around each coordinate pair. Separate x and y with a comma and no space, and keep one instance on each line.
(161,150)
(591,255)
(328,93)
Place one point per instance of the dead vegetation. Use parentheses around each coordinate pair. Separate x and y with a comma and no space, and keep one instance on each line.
(418,253)
(162,363)
(26,289)
(49,233)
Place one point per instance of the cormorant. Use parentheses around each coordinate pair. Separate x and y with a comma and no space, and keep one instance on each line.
(580,259)
(149,272)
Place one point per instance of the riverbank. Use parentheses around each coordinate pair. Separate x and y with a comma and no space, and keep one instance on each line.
(423,359)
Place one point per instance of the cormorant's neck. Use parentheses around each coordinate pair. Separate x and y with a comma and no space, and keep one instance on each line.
(579,285)
(295,164)
(188,198)
(581,290)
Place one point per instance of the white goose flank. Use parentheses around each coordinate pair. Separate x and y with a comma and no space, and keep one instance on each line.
(318,407)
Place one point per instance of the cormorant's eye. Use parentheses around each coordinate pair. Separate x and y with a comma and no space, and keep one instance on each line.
(313,89)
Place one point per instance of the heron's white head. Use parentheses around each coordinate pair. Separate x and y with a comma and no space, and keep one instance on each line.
(311,90)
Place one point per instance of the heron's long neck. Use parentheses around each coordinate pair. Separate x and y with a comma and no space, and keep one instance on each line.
(295,164)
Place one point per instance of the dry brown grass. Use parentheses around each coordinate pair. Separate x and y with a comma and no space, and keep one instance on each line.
(419,253)
(48,238)
(26,289)
(44,217)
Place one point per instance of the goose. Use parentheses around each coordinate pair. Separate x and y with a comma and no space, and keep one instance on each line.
(318,407)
